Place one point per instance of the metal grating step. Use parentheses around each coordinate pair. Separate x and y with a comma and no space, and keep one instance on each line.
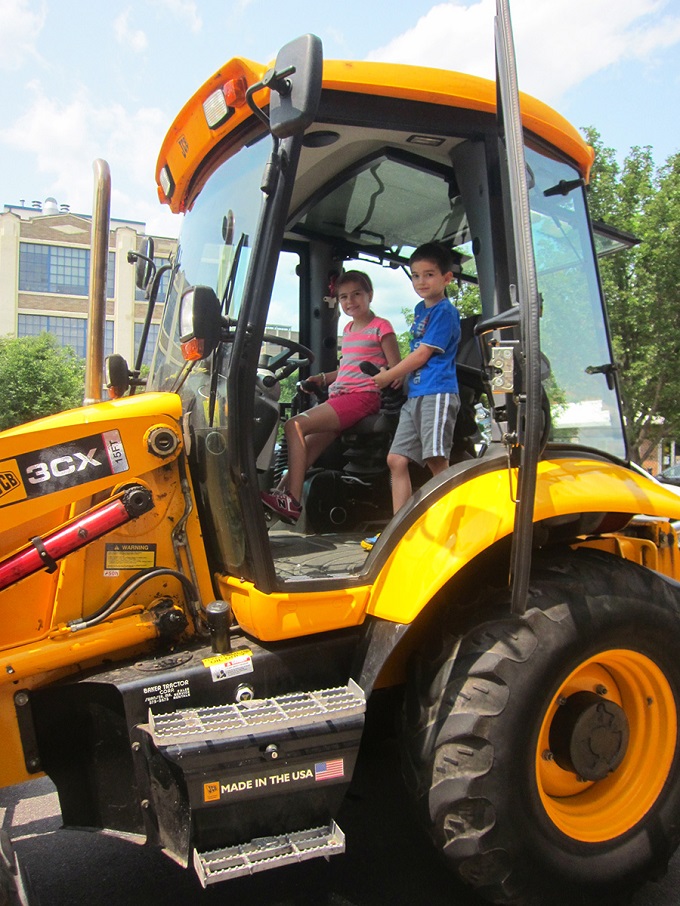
(268,852)
(221,722)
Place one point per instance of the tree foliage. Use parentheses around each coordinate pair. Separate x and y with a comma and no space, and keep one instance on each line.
(642,286)
(38,377)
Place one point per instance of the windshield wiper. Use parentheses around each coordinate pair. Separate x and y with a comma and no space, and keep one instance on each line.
(564,187)
(225,303)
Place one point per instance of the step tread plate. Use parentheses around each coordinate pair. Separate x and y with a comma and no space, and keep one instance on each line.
(267,853)
(229,721)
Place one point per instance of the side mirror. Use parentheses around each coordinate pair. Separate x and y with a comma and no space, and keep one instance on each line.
(144,264)
(118,376)
(295,86)
(200,322)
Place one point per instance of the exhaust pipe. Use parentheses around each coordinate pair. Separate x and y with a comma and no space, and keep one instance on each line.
(99,258)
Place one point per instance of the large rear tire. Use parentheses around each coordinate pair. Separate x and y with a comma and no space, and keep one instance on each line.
(542,749)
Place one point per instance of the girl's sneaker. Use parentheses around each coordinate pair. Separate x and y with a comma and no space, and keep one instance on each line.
(283,505)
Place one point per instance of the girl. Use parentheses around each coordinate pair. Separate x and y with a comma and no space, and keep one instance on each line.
(352,394)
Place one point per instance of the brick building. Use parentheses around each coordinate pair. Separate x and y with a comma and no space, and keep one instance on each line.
(44,277)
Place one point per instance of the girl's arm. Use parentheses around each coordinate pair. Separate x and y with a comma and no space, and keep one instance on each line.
(324,378)
(390,349)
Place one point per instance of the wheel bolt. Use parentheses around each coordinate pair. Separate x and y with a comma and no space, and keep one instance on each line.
(601,690)
(547,755)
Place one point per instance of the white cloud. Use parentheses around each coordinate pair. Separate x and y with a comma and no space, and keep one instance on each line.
(64,138)
(133,37)
(20,24)
(559,43)
(183,9)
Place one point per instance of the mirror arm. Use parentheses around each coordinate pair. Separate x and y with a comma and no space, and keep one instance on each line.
(153,295)
(260,114)
(275,81)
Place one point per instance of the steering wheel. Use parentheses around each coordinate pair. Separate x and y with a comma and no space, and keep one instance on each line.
(291,358)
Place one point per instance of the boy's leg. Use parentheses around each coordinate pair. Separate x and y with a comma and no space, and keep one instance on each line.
(401,480)
(405,448)
(437,464)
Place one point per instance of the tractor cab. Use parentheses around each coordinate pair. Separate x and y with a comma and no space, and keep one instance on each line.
(271,222)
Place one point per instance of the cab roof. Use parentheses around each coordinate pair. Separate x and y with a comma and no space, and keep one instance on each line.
(190,139)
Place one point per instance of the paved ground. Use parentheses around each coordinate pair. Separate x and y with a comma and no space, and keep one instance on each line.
(387,862)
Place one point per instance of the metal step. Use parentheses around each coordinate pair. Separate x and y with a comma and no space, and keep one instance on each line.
(268,852)
(285,712)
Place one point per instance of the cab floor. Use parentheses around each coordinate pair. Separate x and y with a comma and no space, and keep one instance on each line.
(298,556)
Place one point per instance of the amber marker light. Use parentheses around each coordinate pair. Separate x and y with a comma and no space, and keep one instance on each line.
(192,350)
(235,92)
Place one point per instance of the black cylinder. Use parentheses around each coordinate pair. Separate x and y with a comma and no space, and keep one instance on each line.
(218,614)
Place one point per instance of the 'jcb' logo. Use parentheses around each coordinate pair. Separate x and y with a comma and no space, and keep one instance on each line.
(8,481)
(211,791)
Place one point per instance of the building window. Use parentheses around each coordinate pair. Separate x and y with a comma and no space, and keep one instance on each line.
(59,269)
(68,331)
(150,341)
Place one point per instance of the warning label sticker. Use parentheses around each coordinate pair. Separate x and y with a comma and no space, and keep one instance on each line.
(234,663)
(129,556)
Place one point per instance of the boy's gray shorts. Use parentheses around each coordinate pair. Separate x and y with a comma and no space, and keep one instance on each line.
(425,428)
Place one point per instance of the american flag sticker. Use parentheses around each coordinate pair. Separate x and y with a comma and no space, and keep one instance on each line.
(329,770)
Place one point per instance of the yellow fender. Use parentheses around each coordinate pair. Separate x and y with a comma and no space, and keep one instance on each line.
(475,514)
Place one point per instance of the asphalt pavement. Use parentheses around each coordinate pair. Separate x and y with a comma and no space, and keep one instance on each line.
(387,862)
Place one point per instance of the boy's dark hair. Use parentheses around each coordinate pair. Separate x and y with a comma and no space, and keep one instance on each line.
(433,251)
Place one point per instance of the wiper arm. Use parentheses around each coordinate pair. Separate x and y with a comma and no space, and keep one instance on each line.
(225,303)
(564,187)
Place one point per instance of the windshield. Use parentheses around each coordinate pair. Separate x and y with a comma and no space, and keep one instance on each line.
(214,249)
(584,406)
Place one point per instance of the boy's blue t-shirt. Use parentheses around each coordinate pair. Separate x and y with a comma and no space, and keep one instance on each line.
(437,326)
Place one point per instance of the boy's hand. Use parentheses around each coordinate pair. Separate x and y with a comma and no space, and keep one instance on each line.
(384,379)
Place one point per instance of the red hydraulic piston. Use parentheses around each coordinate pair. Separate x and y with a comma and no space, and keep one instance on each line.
(43,552)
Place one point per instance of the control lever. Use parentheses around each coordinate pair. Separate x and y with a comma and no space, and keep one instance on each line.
(312,387)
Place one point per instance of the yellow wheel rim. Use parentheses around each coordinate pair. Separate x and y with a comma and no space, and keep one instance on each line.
(595,811)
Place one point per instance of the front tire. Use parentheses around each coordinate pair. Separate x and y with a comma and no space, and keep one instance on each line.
(542,749)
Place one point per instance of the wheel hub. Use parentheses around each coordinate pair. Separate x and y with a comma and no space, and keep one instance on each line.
(589,735)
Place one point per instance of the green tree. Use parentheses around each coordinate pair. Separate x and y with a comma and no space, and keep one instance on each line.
(38,377)
(642,286)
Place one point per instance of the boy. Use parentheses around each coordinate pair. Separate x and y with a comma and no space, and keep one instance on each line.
(428,417)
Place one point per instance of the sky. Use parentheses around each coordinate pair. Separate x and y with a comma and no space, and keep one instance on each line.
(87,79)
